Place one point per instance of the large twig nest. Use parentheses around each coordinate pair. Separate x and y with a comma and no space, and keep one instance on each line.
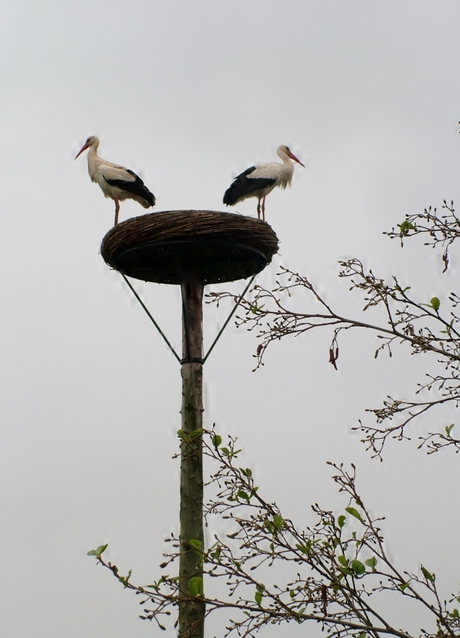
(163,247)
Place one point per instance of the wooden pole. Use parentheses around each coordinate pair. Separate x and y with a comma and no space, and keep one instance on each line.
(191,606)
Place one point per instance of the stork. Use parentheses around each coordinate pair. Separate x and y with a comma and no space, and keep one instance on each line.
(258,181)
(116,182)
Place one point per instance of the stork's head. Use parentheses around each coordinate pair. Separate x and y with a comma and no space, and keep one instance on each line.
(285,150)
(92,141)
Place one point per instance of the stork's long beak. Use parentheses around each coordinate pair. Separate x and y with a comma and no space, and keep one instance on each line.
(291,155)
(83,148)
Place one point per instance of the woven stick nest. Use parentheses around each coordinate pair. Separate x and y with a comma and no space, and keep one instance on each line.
(163,247)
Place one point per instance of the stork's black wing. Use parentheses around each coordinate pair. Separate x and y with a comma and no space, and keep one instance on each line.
(243,185)
(135,186)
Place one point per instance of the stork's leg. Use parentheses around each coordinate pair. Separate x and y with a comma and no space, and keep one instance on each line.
(258,209)
(117,210)
(263,209)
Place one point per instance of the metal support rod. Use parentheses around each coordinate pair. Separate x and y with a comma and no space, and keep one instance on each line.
(191,605)
(186,353)
(150,316)
(237,303)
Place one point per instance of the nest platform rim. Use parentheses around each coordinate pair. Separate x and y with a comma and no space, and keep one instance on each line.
(163,246)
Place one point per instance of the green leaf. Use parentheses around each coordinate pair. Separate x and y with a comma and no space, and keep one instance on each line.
(435,303)
(246,472)
(354,512)
(358,567)
(343,560)
(225,451)
(448,330)
(305,549)
(403,586)
(195,586)
(255,308)
(341,521)
(406,226)
(278,522)
(216,553)
(399,289)
(125,579)
(448,428)
(98,551)
(216,440)
(243,495)
(344,571)
(196,544)
(363,634)
(269,525)
(260,588)
(300,613)
(196,433)
(428,575)
(371,562)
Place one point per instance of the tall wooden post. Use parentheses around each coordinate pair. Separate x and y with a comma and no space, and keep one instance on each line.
(191,248)
(191,607)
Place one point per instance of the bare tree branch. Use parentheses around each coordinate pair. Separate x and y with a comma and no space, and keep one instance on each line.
(332,573)
(294,306)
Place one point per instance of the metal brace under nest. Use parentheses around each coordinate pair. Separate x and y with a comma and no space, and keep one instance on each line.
(219,334)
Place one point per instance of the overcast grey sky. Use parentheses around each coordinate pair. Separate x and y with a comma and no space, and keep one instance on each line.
(188,94)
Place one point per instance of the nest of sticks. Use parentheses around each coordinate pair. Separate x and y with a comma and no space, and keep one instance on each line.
(163,247)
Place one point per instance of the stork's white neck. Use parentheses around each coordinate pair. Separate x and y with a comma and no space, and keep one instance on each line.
(286,170)
(94,161)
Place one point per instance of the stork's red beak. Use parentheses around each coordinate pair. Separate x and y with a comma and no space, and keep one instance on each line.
(83,148)
(291,155)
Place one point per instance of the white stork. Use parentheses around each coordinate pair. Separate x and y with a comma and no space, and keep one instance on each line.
(116,182)
(259,181)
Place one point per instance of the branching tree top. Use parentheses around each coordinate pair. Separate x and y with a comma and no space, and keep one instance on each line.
(426,325)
